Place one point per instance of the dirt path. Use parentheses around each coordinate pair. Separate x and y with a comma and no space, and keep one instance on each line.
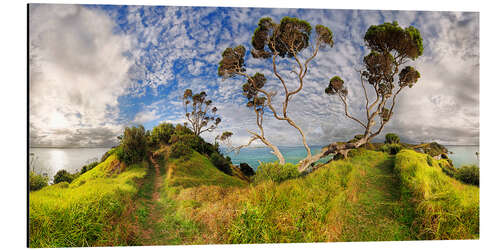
(157,180)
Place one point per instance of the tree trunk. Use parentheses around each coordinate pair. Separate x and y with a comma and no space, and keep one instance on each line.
(333,148)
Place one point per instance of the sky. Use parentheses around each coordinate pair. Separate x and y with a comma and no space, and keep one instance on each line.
(94,70)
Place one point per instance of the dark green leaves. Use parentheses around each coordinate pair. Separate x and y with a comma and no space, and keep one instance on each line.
(408,76)
(286,39)
(324,35)
(390,37)
(336,86)
(250,90)
(233,62)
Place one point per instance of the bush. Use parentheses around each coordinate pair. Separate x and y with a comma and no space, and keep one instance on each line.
(133,145)
(88,167)
(162,133)
(37,181)
(469,175)
(221,163)
(180,149)
(276,172)
(246,169)
(64,176)
(391,138)
(391,148)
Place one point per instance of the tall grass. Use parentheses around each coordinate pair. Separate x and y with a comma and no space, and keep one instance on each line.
(79,214)
(444,208)
(346,200)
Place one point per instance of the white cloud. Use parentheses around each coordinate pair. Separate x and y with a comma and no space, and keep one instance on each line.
(77,71)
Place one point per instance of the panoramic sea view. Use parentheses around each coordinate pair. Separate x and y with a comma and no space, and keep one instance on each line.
(50,160)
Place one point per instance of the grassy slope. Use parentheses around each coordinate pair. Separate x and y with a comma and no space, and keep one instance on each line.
(198,170)
(354,200)
(372,196)
(444,207)
(79,214)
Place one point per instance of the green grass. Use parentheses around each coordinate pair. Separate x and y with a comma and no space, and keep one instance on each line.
(80,213)
(444,208)
(348,200)
(197,170)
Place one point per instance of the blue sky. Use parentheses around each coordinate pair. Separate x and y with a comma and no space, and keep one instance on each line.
(96,69)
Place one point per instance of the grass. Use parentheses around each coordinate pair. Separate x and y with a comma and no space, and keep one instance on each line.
(371,196)
(197,170)
(79,214)
(348,200)
(444,208)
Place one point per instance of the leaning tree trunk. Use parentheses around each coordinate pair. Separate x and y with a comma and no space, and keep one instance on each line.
(333,148)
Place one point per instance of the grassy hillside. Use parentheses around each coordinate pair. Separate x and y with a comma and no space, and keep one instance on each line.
(372,196)
(197,170)
(444,207)
(82,213)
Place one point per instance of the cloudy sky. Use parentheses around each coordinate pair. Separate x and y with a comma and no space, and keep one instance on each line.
(96,69)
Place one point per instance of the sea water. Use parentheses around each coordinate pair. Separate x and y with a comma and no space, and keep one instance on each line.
(48,161)
(461,155)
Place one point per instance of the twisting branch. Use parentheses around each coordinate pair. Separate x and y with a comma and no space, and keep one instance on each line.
(390,46)
(272,40)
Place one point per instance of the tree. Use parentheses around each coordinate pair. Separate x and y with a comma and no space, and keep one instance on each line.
(272,41)
(198,109)
(133,145)
(391,138)
(225,138)
(162,133)
(390,48)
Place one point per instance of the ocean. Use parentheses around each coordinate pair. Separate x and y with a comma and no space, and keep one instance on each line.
(50,160)
(462,155)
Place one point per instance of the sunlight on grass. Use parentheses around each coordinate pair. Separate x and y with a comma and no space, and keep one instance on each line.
(79,214)
(444,207)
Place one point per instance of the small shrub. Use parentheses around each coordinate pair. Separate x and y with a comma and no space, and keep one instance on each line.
(246,169)
(448,168)
(276,172)
(429,160)
(391,138)
(133,145)
(180,149)
(221,163)
(88,167)
(162,133)
(391,148)
(37,181)
(64,176)
(468,174)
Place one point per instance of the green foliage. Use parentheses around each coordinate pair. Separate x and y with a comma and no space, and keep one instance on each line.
(275,172)
(469,174)
(200,112)
(391,148)
(180,150)
(444,208)
(81,213)
(232,63)
(197,170)
(162,133)
(336,86)
(388,37)
(133,145)
(448,168)
(64,176)
(246,169)
(37,181)
(221,163)
(391,138)
(347,200)
(88,167)
(429,160)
